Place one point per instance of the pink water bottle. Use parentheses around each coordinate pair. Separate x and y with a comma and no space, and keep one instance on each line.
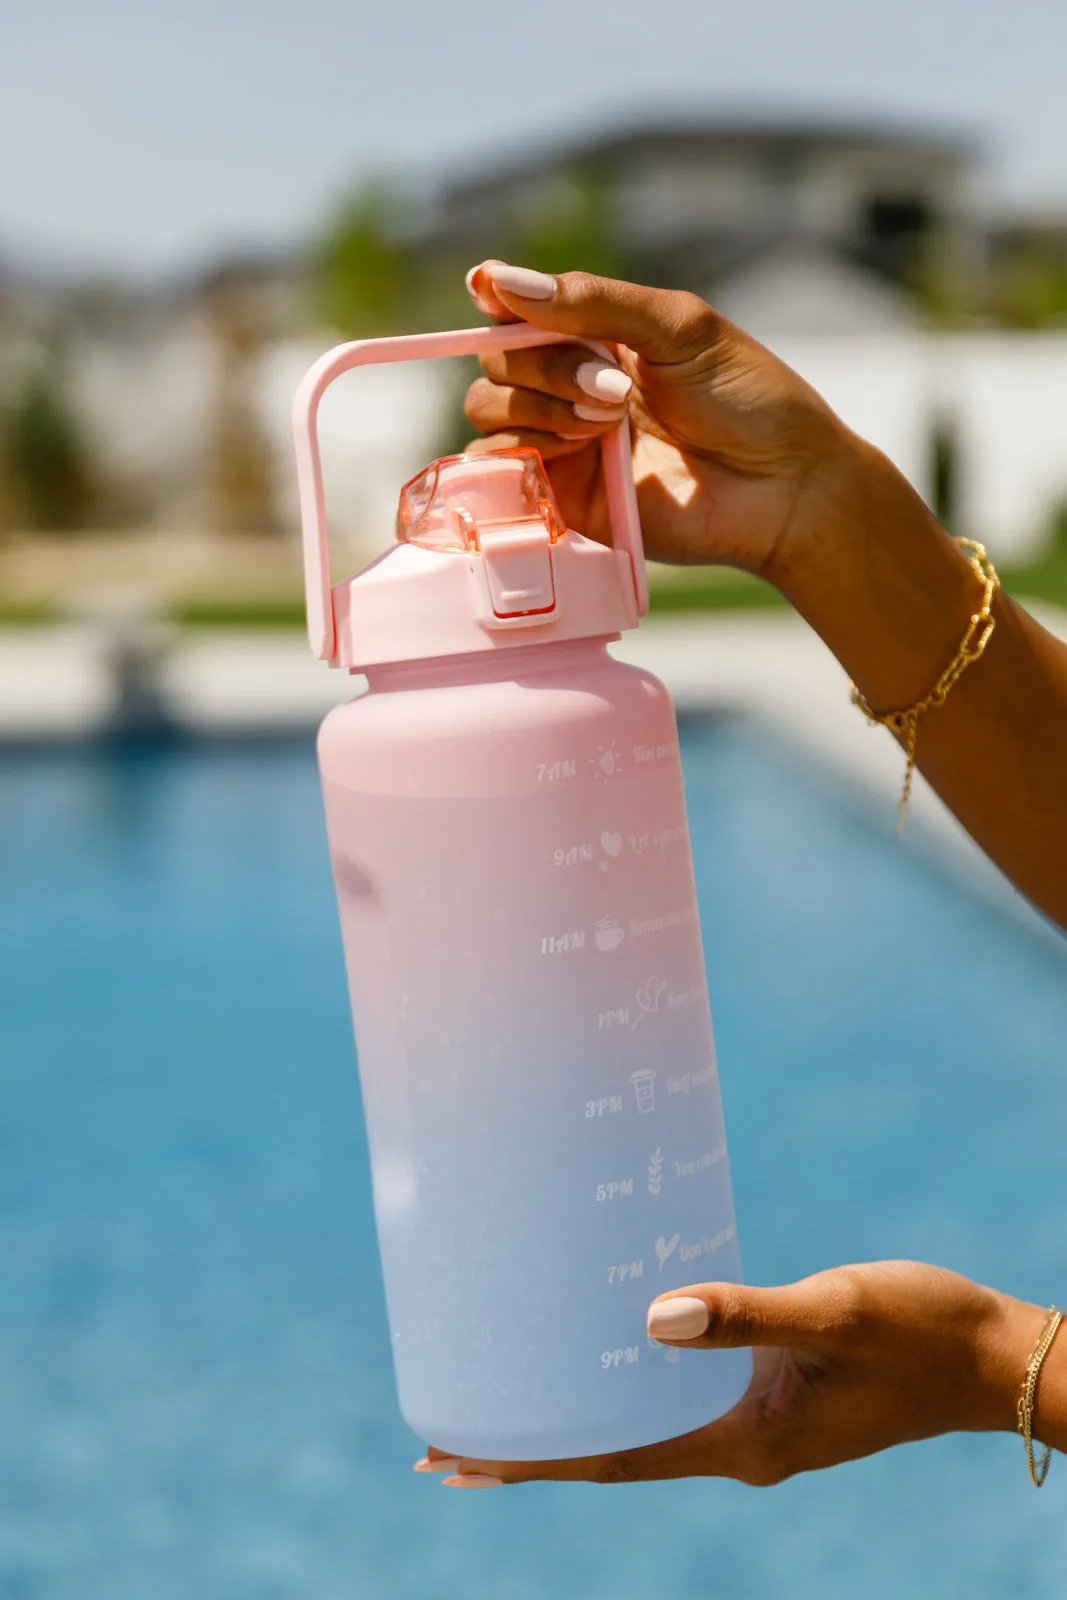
(508,835)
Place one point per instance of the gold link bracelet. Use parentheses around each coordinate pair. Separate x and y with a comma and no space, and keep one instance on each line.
(979,631)
(1028,1394)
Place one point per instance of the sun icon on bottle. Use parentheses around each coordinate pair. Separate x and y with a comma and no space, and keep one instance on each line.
(605,763)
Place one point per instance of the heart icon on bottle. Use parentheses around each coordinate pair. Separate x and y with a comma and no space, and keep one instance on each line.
(665,1248)
(611,843)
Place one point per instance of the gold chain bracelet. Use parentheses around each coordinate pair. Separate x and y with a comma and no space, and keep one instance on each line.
(978,633)
(1028,1394)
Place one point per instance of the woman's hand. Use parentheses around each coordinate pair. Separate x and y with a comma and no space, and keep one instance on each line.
(738,460)
(847,1363)
(734,454)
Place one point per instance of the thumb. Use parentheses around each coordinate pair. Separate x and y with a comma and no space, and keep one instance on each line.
(662,325)
(715,1316)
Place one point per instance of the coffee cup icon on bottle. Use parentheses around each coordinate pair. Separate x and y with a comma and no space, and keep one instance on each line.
(644,1089)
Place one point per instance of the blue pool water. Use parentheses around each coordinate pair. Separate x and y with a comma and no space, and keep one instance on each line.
(195,1392)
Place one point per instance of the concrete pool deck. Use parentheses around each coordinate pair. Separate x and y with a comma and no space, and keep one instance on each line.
(72,682)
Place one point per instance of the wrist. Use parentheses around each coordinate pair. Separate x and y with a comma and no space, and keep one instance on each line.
(1003,1348)
(867,564)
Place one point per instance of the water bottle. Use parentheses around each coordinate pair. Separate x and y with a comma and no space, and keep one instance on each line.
(508,837)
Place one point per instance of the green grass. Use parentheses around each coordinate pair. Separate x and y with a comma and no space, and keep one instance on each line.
(287,612)
(692,590)
(710,589)
(20,614)
(1040,580)
(697,589)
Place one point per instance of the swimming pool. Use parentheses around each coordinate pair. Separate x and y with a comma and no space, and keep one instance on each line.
(195,1393)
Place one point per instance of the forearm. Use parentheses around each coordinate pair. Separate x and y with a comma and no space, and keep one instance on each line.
(891,595)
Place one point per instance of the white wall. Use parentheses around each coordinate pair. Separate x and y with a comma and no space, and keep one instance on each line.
(148,407)
(1009,396)
(377,428)
(1004,396)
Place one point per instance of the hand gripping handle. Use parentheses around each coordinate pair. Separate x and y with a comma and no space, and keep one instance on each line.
(615,448)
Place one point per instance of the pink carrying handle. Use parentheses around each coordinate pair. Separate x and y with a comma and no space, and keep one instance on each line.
(615,448)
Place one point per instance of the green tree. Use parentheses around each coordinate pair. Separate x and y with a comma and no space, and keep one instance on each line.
(572,228)
(363,267)
(46,456)
(1029,288)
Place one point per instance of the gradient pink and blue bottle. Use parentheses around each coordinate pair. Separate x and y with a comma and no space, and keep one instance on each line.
(508,833)
(510,846)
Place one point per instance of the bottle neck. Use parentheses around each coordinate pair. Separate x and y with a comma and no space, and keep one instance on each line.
(502,666)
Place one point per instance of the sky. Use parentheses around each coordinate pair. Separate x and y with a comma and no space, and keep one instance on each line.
(147,136)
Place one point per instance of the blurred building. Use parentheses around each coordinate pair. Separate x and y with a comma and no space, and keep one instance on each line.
(688,201)
(792,285)
(166,382)
(839,246)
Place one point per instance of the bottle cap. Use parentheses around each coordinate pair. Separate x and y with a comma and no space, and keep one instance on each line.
(484,560)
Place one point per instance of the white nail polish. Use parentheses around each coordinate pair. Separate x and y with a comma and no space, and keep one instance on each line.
(684,1317)
(437,1464)
(469,281)
(598,413)
(473,1480)
(603,381)
(524,282)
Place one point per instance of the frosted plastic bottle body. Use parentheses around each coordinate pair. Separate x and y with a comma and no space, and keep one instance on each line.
(511,855)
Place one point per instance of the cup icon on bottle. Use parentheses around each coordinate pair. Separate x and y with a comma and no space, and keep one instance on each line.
(609,935)
(644,1090)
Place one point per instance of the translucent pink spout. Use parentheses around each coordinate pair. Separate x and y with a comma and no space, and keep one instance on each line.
(615,447)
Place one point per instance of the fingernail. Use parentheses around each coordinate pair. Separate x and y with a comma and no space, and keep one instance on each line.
(473,1480)
(524,282)
(437,1464)
(684,1317)
(598,413)
(475,281)
(603,381)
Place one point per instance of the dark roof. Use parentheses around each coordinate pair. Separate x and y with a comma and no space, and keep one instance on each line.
(756,136)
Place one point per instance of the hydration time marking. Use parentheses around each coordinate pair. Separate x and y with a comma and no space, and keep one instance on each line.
(561,944)
(625,1271)
(609,1105)
(627,1357)
(554,771)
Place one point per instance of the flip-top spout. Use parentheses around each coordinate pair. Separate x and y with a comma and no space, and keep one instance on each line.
(450,504)
(350,630)
(498,506)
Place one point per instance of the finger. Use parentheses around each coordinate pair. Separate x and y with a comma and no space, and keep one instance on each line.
(679,1458)
(734,1446)
(492,407)
(662,325)
(715,1316)
(570,372)
(482,1473)
(436,1461)
(549,446)
(480,288)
